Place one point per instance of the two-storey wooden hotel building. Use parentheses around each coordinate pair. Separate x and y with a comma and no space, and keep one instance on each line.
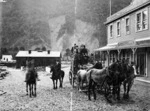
(128,36)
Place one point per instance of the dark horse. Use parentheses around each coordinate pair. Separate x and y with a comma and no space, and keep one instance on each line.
(100,77)
(125,75)
(31,80)
(57,75)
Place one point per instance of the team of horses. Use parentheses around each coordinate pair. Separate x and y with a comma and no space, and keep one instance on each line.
(109,78)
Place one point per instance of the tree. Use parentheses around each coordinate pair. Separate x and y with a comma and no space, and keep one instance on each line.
(68,53)
(4,50)
(37,49)
(16,49)
(22,48)
(43,48)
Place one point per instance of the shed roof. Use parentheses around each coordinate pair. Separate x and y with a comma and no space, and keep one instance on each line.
(7,56)
(38,54)
(134,5)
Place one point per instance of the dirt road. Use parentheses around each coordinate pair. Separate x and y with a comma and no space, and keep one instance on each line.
(47,99)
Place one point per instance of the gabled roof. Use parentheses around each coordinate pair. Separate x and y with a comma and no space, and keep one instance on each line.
(38,54)
(6,55)
(134,5)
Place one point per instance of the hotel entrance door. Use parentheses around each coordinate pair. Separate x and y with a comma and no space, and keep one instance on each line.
(141,63)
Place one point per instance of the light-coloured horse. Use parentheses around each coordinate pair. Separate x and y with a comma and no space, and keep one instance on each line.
(81,77)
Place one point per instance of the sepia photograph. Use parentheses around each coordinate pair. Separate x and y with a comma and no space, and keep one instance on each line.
(74,55)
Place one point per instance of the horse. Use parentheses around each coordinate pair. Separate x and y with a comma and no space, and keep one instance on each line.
(126,76)
(129,80)
(31,80)
(57,75)
(81,74)
(100,77)
(81,77)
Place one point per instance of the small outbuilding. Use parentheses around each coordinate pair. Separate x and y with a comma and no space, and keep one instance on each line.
(41,58)
(7,58)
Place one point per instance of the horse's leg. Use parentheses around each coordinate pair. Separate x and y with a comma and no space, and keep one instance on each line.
(30,89)
(53,84)
(35,89)
(56,83)
(82,84)
(129,87)
(124,86)
(79,83)
(90,84)
(27,88)
(93,88)
(114,92)
(118,92)
(60,81)
(61,78)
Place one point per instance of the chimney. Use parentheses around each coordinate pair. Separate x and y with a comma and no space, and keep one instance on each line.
(29,51)
(48,52)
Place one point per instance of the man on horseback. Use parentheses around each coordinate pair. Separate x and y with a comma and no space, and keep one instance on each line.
(57,67)
(30,69)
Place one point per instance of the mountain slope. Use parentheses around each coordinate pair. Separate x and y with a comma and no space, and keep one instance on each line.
(53,23)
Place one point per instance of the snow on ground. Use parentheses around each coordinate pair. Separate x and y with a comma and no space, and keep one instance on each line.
(48,99)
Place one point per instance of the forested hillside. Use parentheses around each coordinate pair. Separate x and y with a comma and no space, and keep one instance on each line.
(33,24)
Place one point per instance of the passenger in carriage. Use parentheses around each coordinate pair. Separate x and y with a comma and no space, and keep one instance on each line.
(91,58)
(76,60)
(84,55)
(74,48)
(84,51)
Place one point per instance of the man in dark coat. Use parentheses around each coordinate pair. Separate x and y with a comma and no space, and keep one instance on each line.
(84,55)
(56,68)
(30,68)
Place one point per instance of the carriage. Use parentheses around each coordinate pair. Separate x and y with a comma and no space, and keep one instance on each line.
(75,66)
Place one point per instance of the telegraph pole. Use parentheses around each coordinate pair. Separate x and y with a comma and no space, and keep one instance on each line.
(110,7)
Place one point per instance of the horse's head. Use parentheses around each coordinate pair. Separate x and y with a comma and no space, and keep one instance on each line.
(114,69)
(52,68)
(98,65)
(131,69)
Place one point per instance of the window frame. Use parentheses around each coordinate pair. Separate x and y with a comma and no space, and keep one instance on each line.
(127,32)
(119,21)
(141,22)
(111,32)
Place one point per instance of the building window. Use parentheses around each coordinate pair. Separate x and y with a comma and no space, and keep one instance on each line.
(112,57)
(139,27)
(118,28)
(111,31)
(127,26)
(142,20)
